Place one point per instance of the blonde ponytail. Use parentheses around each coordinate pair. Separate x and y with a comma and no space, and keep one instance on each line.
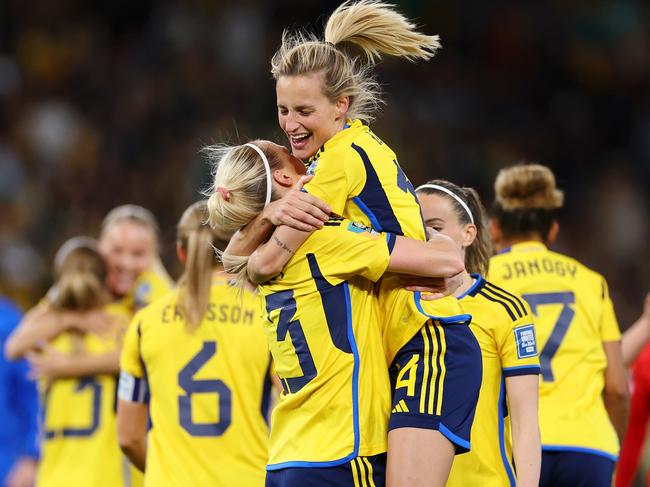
(80,273)
(198,241)
(377,29)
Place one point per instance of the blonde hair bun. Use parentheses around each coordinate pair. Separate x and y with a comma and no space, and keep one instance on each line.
(527,186)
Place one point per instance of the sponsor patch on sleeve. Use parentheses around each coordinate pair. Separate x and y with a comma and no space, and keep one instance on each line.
(526,343)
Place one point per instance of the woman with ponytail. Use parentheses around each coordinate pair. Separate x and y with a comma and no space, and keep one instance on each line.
(501,322)
(326,96)
(78,420)
(583,391)
(331,345)
(196,362)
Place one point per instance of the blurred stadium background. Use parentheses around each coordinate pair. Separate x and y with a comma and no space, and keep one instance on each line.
(104,103)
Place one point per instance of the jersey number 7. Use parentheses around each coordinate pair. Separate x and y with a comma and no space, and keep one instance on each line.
(559,330)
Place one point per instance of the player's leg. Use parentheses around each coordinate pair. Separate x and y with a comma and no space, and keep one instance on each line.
(418,457)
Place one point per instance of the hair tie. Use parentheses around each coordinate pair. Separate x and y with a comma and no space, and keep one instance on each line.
(267,168)
(450,193)
(225,193)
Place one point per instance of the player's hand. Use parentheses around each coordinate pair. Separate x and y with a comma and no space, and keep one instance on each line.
(432,287)
(94,320)
(49,364)
(298,209)
(22,474)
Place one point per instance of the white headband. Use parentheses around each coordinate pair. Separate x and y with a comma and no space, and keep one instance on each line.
(450,193)
(267,168)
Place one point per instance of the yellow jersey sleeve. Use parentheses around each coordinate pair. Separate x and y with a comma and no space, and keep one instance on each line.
(517,345)
(130,360)
(609,330)
(337,177)
(351,249)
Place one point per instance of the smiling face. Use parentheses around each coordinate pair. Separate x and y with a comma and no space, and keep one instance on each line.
(306,115)
(128,249)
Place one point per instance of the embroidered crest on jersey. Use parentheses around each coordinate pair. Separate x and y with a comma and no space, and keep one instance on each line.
(141,294)
(526,343)
(312,167)
(360,228)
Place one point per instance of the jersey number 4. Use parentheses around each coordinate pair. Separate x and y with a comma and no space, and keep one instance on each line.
(190,385)
(559,330)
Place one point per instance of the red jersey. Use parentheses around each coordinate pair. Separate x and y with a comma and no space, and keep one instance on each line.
(637,427)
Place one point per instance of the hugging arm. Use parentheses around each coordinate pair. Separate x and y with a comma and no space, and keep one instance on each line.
(438,257)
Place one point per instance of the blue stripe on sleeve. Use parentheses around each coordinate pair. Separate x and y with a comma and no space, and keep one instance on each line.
(521,370)
(391,238)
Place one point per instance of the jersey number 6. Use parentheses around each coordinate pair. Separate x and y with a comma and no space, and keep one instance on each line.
(191,386)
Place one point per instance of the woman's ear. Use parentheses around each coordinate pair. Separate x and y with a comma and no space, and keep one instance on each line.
(342,106)
(469,235)
(180,253)
(282,177)
(553,232)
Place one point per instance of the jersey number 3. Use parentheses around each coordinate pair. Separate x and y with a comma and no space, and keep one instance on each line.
(559,330)
(190,385)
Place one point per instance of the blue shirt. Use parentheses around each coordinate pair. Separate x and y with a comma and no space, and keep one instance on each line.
(18,400)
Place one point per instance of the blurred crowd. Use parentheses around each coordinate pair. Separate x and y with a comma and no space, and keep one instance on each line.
(104,103)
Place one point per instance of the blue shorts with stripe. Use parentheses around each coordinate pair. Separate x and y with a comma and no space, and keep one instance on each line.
(436,378)
(359,472)
(576,469)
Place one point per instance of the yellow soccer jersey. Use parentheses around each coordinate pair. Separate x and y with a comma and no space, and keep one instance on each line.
(323,329)
(503,325)
(148,287)
(574,316)
(79,434)
(403,318)
(208,389)
(359,177)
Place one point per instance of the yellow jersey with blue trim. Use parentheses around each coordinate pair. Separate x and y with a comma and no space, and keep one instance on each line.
(148,287)
(79,436)
(574,315)
(322,325)
(504,327)
(207,388)
(358,175)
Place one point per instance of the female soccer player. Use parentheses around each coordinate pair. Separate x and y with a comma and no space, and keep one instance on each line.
(78,414)
(504,328)
(198,362)
(129,244)
(583,397)
(135,276)
(312,298)
(637,429)
(325,98)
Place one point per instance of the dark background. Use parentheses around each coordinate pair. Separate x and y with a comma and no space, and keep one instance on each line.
(109,102)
